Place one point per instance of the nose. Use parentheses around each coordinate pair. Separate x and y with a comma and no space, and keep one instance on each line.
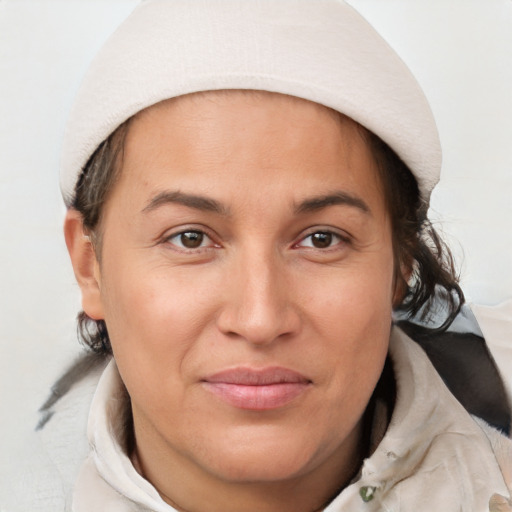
(259,304)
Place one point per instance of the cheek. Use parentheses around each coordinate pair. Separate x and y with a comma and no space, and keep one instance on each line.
(354,320)
(357,299)
(155,315)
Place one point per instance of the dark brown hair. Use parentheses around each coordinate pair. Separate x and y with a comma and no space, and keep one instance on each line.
(433,284)
(432,290)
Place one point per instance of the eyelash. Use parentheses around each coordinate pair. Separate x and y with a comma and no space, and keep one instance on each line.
(196,232)
(329,236)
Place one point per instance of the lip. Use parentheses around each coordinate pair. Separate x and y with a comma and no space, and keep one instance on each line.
(257,389)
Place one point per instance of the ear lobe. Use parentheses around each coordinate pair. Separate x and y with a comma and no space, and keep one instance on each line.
(85,264)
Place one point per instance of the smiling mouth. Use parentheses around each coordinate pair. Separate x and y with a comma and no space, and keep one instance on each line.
(256,389)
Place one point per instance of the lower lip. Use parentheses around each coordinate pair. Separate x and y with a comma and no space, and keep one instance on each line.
(257,398)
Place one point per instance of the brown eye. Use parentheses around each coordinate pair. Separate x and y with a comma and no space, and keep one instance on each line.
(191,239)
(321,240)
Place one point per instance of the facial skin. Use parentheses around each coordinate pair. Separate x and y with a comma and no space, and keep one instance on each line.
(247,232)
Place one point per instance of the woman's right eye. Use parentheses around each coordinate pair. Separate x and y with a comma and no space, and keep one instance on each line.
(191,239)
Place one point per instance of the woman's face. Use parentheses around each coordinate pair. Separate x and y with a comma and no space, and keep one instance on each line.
(246,280)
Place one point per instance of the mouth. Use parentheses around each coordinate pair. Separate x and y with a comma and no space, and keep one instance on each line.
(257,389)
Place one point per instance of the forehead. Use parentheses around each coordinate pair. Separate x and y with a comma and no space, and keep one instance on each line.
(277,138)
(211,114)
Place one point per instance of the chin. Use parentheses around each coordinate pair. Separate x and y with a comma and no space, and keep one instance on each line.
(261,458)
(261,468)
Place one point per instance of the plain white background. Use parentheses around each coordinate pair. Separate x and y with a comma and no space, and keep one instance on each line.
(460,50)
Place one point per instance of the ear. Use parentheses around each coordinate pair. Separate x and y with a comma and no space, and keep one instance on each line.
(403,274)
(85,264)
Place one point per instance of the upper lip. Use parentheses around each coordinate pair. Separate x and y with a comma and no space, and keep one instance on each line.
(244,376)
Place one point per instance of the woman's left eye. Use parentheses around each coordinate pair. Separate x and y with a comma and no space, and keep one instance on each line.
(321,240)
(191,239)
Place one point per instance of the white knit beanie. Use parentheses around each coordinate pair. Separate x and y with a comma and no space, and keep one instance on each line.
(319,50)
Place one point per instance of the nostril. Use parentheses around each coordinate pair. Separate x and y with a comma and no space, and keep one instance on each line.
(261,327)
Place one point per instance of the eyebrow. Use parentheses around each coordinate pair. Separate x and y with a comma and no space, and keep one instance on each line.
(211,205)
(335,198)
(190,200)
